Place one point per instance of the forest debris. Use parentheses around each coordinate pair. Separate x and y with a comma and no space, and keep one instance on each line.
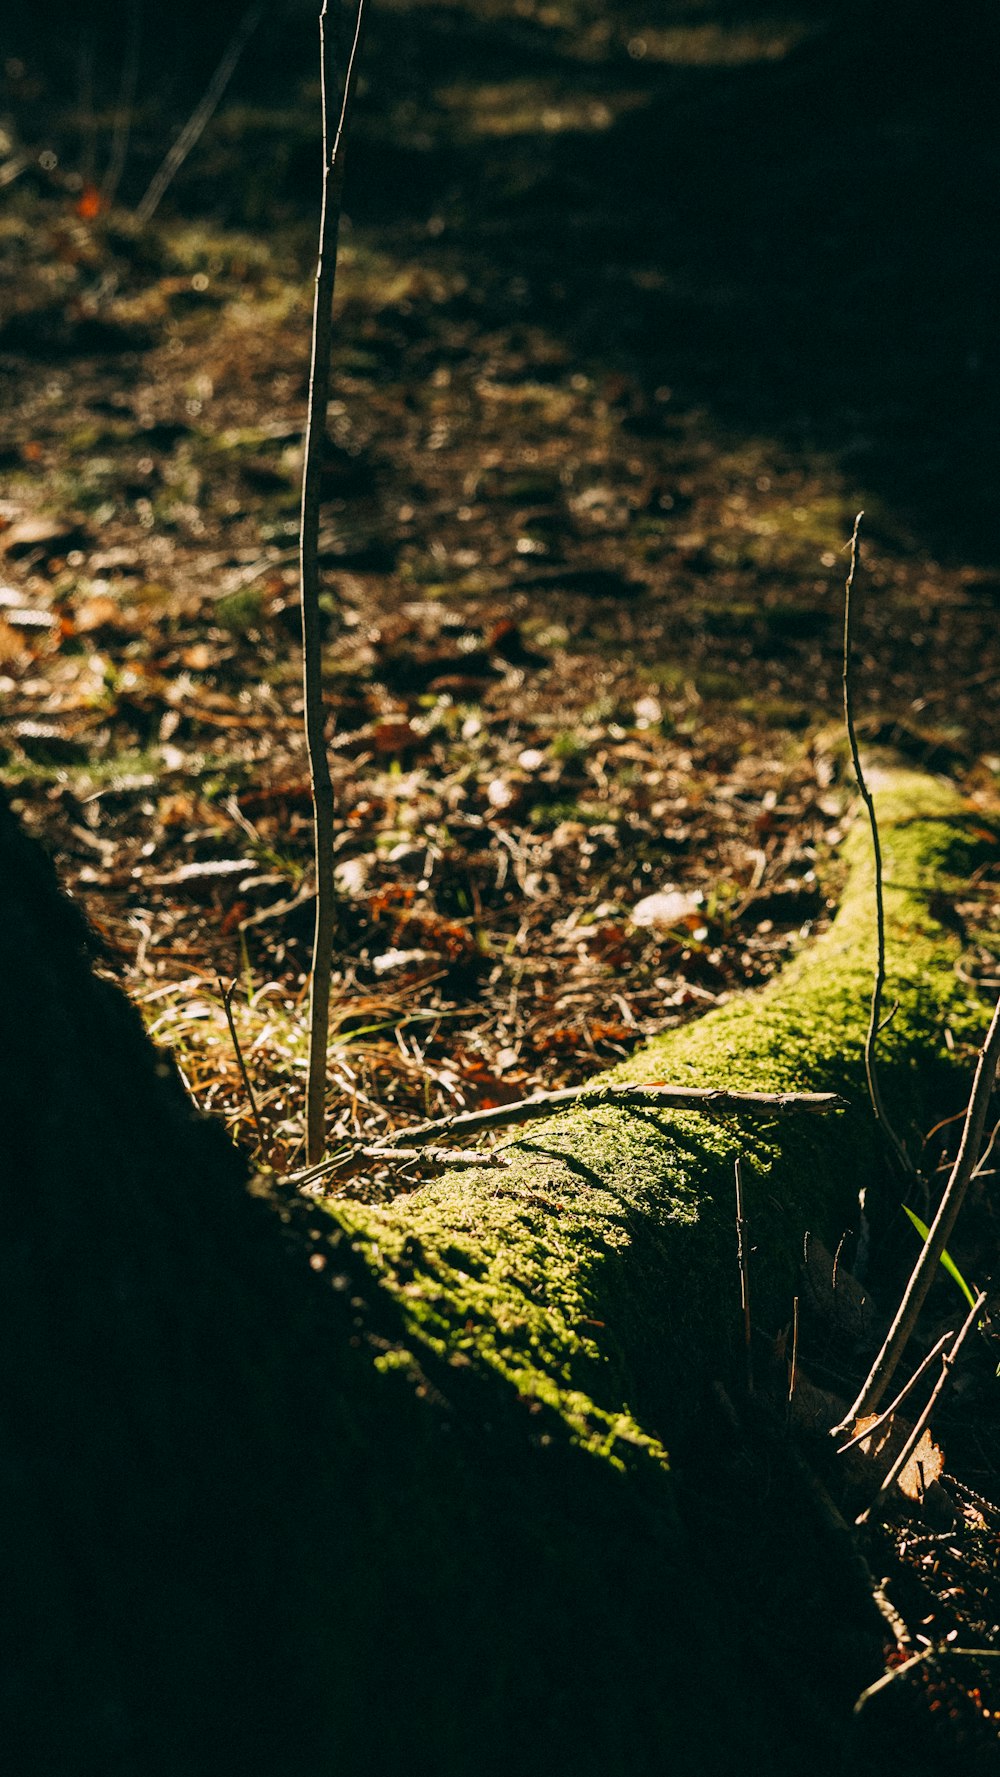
(51,536)
(214,870)
(666,910)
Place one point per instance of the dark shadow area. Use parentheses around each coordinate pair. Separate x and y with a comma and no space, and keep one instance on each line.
(247,1530)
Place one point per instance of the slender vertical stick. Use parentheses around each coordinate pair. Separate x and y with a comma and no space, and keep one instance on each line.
(743,1259)
(875,1018)
(312,637)
(793,1374)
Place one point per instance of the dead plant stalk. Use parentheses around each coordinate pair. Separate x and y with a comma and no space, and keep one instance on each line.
(312,636)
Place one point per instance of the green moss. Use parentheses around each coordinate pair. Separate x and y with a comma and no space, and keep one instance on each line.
(582,1273)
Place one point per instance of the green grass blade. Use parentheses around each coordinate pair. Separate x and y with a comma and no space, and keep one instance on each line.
(946,1259)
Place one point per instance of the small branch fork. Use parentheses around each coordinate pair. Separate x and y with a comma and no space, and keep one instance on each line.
(875,1022)
(925,1270)
(876,1509)
(944,1651)
(894,1405)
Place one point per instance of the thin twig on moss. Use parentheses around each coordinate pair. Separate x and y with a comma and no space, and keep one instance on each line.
(468,1157)
(925,1269)
(708,1100)
(312,628)
(875,1023)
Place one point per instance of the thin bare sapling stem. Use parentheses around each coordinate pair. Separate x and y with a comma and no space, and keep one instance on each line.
(875,1017)
(334,126)
(925,1270)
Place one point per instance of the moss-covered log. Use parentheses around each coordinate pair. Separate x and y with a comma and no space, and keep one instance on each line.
(590,1269)
(303,1487)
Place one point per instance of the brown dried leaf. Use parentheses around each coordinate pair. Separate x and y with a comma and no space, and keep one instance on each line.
(925,1465)
(883,1447)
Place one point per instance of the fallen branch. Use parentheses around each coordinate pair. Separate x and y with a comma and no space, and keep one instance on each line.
(397,1156)
(709,1101)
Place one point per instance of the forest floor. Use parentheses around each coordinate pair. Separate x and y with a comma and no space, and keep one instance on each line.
(626,334)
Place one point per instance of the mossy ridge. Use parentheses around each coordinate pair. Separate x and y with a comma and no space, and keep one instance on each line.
(604,1250)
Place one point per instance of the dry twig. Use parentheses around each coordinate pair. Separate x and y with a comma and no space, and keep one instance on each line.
(925,1269)
(227,1001)
(743,1260)
(946,1650)
(887,1412)
(709,1101)
(917,1432)
(875,1023)
(201,114)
